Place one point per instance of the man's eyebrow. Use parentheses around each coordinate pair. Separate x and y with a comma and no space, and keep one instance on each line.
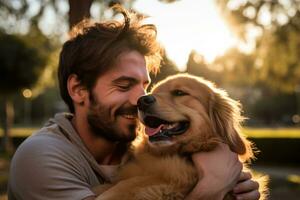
(128,79)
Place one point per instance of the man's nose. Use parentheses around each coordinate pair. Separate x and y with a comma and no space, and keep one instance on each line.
(145,102)
(136,95)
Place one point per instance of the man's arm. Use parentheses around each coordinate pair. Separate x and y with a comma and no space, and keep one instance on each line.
(221,172)
(90,198)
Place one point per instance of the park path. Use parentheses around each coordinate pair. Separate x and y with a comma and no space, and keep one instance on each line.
(278,171)
(284,181)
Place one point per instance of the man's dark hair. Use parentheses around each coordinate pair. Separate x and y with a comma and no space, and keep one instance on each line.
(93,48)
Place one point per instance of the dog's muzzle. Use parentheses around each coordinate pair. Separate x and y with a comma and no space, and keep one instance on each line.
(157,128)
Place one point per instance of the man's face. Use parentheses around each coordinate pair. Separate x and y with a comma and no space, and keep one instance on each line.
(112,110)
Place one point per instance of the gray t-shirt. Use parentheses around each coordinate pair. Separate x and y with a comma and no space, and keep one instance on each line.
(54,164)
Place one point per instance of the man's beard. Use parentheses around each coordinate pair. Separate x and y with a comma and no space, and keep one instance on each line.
(102,124)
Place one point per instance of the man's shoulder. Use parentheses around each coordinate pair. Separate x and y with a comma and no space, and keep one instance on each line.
(46,136)
(44,152)
(47,143)
(47,162)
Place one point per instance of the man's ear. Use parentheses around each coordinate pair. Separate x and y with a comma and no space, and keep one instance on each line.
(77,92)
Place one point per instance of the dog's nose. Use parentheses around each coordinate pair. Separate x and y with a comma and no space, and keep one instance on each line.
(145,101)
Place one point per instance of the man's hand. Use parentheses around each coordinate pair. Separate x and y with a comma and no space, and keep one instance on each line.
(219,171)
(246,189)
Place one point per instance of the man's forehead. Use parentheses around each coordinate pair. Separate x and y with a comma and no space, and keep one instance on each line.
(131,64)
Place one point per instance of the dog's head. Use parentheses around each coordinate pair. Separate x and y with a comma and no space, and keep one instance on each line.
(184,111)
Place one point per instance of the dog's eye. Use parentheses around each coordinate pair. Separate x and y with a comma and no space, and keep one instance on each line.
(178,93)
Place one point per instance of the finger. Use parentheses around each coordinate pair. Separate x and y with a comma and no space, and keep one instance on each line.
(246,186)
(239,168)
(245,176)
(253,195)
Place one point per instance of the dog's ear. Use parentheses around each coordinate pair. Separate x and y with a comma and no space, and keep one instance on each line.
(225,114)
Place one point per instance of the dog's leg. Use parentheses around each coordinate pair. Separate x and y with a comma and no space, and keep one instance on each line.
(159,192)
(133,189)
(101,188)
(142,188)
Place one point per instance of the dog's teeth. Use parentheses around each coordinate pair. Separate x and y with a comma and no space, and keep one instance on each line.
(169,126)
(129,116)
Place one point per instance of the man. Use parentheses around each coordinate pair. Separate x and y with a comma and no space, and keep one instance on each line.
(103,70)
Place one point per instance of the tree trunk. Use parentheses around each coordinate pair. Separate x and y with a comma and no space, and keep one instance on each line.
(79,9)
(7,145)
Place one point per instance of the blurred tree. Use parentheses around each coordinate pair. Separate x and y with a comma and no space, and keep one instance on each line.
(278,60)
(167,68)
(243,82)
(242,16)
(197,65)
(274,28)
(22,60)
(18,16)
(236,68)
(78,10)
(67,13)
(285,105)
(64,12)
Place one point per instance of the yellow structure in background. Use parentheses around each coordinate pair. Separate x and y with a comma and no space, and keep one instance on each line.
(272,132)
(249,132)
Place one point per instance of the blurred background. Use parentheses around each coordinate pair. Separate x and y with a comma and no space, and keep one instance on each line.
(251,48)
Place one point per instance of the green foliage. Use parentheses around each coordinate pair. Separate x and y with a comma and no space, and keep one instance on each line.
(27,61)
(20,63)
(18,16)
(236,68)
(279,62)
(265,15)
(276,54)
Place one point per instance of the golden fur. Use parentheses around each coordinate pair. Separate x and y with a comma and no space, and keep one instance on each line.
(162,170)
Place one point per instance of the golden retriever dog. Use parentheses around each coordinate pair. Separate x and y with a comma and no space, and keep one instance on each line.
(184,114)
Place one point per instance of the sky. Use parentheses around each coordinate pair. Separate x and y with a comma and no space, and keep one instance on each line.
(186,25)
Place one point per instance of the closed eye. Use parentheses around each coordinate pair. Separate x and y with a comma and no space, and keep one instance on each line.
(179,93)
(124,87)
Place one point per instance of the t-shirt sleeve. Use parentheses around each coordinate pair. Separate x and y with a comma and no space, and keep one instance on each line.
(48,168)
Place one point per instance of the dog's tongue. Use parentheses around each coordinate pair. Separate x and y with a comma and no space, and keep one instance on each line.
(152,131)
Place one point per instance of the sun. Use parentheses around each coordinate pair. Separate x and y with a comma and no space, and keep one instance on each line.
(188,25)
